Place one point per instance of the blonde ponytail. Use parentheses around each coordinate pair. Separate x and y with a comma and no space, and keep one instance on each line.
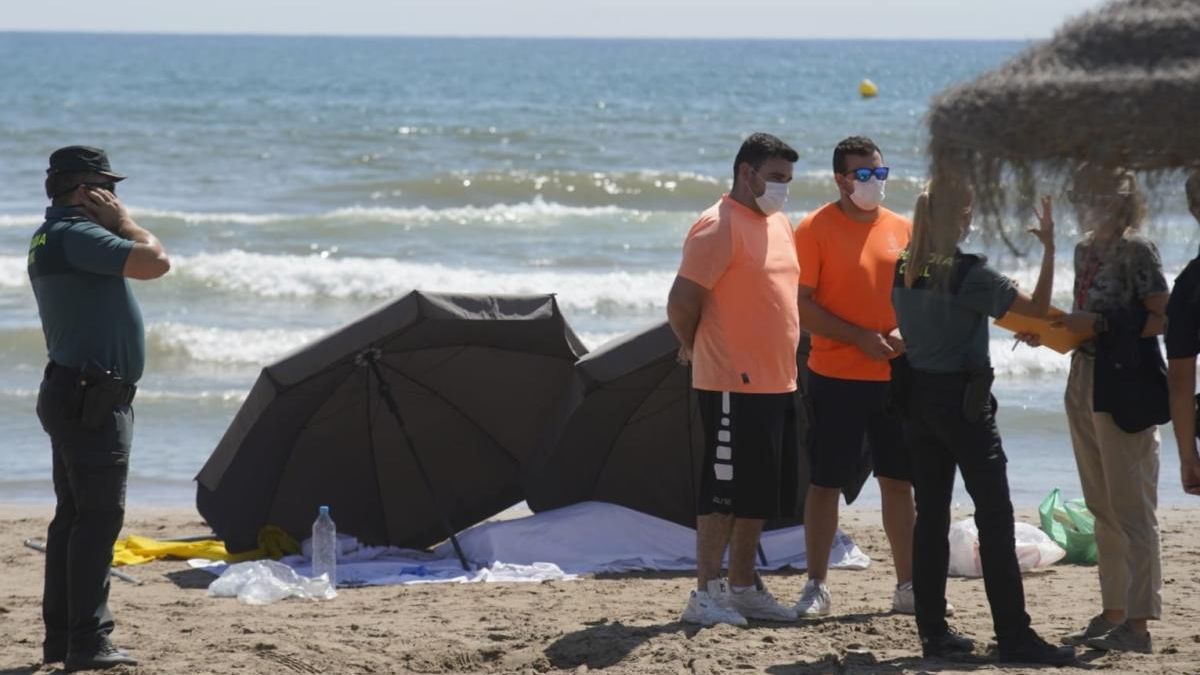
(918,247)
(937,228)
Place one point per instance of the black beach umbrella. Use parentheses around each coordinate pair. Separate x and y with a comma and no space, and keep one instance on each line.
(411,423)
(630,434)
(1118,86)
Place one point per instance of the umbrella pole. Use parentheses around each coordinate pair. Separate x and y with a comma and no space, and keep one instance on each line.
(385,391)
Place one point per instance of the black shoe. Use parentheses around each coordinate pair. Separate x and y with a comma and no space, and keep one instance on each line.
(105,656)
(1033,649)
(948,645)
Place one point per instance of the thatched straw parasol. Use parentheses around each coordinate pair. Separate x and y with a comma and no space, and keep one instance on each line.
(1118,86)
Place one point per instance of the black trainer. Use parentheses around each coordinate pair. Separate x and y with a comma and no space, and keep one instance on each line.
(948,645)
(1033,649)
(105,656)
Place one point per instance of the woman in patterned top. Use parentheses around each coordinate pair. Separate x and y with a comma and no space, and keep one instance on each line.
(1120,303)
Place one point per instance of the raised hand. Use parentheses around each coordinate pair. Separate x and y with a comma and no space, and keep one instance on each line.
(1045,231)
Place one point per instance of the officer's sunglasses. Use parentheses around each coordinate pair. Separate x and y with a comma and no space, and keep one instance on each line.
(110,186)
(864,174)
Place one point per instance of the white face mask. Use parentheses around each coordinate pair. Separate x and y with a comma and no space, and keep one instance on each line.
(772,199)
(869,195)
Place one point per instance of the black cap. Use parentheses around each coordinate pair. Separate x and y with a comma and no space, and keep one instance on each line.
(81,159)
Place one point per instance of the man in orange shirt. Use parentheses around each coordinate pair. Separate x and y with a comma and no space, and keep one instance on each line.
(848,251)
(733,308)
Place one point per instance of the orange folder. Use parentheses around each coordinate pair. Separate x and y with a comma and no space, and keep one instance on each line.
(1057,338)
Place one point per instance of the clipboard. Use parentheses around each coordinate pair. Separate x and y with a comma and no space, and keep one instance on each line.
(1057,338)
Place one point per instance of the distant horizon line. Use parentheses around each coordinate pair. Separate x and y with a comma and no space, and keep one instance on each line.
(447,36)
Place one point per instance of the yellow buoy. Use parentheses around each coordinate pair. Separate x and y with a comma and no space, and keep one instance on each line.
(868,89)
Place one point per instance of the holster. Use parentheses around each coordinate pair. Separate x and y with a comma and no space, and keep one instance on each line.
(99,392)
(977,394)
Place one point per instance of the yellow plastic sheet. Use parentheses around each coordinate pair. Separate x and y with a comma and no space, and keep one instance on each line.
(135,550)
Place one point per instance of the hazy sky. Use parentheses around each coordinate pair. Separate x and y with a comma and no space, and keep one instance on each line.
(969,19)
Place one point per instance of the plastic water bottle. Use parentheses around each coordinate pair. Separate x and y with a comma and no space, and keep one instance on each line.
(324,546)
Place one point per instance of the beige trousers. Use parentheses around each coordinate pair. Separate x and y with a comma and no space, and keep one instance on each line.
(1119,473)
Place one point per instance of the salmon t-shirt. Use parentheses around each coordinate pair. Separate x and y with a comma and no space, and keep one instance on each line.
(851,265)
(749,326)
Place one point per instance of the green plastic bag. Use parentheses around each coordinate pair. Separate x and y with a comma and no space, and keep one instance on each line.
(1071,526)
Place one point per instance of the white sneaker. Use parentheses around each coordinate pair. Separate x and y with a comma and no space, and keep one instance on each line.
(904,602)
(711,607)
(815,600)
(758,603)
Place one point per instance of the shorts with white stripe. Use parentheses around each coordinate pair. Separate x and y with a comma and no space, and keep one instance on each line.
(751,454)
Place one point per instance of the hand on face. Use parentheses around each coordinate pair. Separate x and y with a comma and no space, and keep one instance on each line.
(102,206)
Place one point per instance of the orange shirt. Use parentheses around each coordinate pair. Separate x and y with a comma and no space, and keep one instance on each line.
(749,327)
(851,264)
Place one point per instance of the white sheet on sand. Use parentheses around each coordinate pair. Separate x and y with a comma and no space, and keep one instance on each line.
(584,538)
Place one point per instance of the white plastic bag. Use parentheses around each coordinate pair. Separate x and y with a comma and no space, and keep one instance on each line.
(262,582)
(1034,549)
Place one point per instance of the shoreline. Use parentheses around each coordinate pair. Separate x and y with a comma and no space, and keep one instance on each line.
(620,623)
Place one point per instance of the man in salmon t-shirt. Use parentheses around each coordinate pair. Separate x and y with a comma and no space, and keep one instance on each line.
(733,307)
(848,251)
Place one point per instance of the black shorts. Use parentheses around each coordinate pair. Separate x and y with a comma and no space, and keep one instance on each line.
(851,422)
(751,455)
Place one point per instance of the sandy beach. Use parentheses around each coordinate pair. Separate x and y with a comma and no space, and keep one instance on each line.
(621,624)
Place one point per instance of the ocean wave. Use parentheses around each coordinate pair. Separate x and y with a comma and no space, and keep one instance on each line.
(212,345)
(21,220)
(634,190)
(282,276)
(144,394)
(594,339)
(536,209)
(373,279)
(628,189)
(172,340)
(494,197)
(1026,362)
(225,345)
(14,271)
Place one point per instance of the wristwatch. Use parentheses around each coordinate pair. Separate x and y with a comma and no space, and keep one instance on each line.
(1100,325)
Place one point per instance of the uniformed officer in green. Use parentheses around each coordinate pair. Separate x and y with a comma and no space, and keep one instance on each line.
(80,261)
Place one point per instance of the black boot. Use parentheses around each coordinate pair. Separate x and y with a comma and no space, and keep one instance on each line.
(948,645)
(104,656)
(1033,649)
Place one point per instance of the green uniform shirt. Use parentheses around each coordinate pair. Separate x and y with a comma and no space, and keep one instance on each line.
(87,307)
(945,327)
